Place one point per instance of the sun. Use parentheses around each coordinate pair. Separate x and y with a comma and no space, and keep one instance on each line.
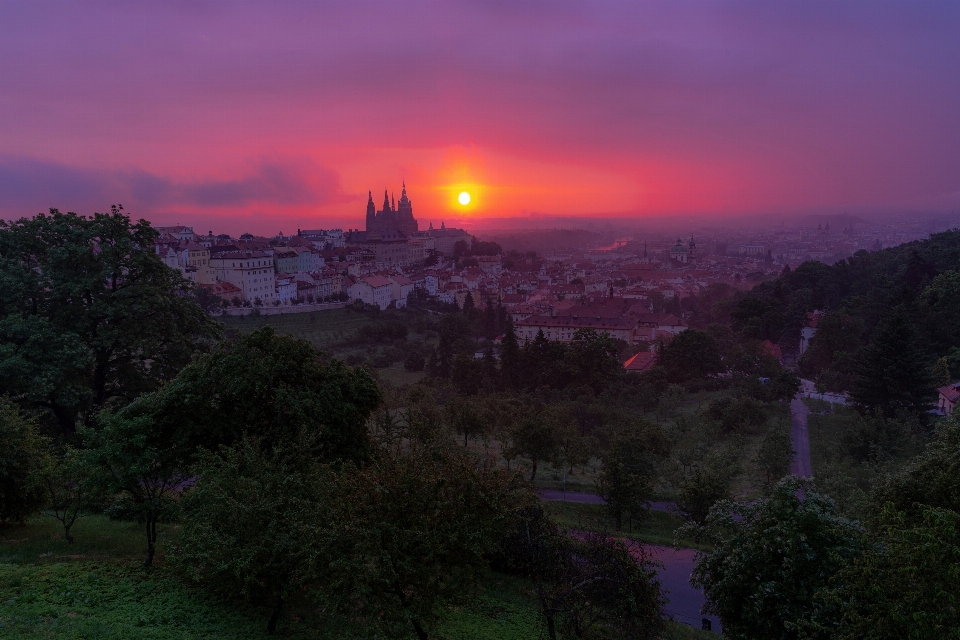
(463,198)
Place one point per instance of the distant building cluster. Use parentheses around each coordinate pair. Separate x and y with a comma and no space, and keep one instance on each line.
(631,291)
(315,265)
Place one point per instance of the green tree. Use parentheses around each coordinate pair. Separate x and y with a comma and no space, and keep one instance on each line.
(421,527)
(258,524)
(414,361)
(489,321)
(71,489)
(596,582)
(510,357)
(905,585)
(691,355)
(628,476)
(892,373)
(940,303)
(770,557)
(595,358)
(708,484)
(465,416)
(274,388)
(138,453)
(775,454)
(941,373)
(737,415)
(537,436)
(931,478)
(89,314)
(24,453)
(830,358)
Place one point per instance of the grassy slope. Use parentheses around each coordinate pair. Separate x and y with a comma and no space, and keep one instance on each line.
(97,589)
(322,328)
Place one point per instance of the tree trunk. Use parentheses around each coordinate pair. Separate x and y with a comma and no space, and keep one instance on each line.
(421,633)
(533,472)
(151,540)
(275,616)
(551,626)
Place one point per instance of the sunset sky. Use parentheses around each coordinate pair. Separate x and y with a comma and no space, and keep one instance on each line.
(272,115)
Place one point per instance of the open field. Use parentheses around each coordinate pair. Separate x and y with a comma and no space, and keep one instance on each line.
(322,328)
(96,588)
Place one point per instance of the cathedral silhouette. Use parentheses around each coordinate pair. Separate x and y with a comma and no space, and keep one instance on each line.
(392,219)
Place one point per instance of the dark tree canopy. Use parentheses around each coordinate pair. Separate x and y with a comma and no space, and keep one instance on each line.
(770,558)
(275,388)
(89,314)
(692,354)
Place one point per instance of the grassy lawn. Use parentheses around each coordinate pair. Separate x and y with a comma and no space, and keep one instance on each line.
(657,529)
(97,589)
(322,328)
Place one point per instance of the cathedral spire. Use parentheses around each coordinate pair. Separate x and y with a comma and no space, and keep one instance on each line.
(386,200)
(393,203)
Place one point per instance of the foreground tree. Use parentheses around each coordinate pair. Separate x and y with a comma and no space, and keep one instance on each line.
(419,529)
(905,585)
(276,389)
(71,489)
(89,314)
(931,478)
(138,453)
(257,524)
(770,558)
(537,436)
(587,585)
(775,454)
(23,456)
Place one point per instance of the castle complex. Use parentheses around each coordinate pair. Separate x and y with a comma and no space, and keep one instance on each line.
(392,219)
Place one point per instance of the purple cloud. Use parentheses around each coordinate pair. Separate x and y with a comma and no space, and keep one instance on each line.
(29,185)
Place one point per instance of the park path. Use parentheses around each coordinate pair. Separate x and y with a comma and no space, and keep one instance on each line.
(800,438)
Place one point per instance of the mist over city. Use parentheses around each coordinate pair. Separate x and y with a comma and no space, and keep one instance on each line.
(480,320)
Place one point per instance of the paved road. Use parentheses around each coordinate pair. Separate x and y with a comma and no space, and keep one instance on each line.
(685,601)
(800,438)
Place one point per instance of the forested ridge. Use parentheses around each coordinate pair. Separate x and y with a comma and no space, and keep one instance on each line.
(890,317)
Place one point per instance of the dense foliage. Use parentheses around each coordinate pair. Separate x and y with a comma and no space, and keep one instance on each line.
(770,558)
(891,316)
(89,315)
(23,456)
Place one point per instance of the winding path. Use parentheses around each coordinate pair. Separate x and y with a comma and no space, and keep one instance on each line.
(800,438)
